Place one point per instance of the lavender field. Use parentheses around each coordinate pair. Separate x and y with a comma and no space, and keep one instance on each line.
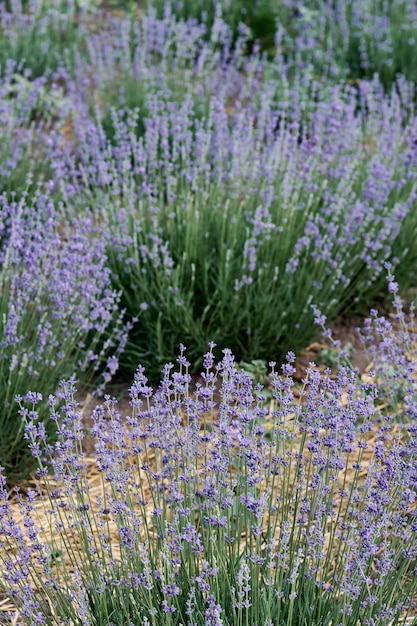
(191,192)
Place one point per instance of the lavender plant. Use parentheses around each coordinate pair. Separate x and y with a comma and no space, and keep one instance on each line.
(58,312)
(28,110)
(39,35)
(131,60)
(391,347)
(218,512)
(229,226)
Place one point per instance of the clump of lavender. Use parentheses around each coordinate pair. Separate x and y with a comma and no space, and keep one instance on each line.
(28,108)
(391,346)
(58,311)
(218,512)
(129,60)
(39,35)
(228,226)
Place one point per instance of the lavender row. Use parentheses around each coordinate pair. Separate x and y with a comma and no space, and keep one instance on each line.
(214,507)
(343,40)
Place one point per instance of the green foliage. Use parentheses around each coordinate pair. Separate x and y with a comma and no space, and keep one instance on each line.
(198,300)
(388,47)
(330,357)
(257,370)
(30,362)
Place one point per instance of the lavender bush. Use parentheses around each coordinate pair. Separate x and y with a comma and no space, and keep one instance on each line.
(58,312)
(229,225)
(391,345)
(40,34)
(128,61)
(28,110)
(219,512)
